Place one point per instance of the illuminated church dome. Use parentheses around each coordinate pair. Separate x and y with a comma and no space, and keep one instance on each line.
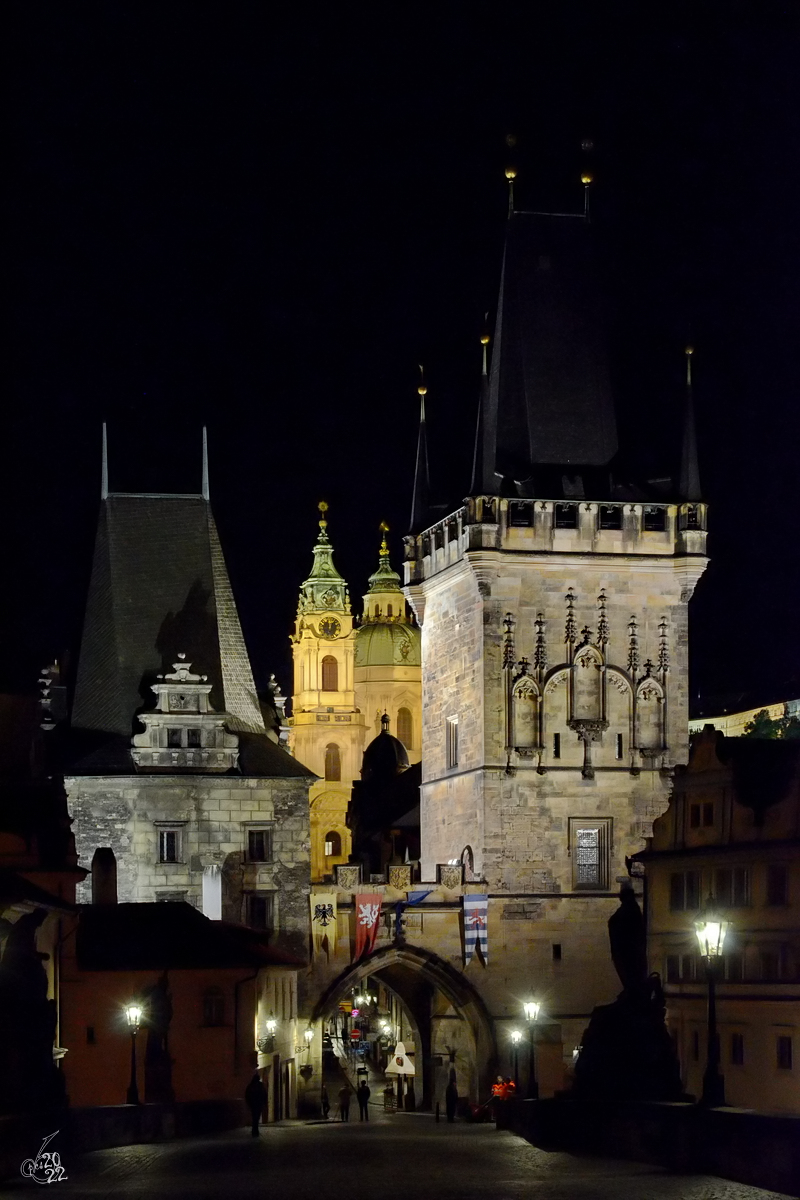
(387,636)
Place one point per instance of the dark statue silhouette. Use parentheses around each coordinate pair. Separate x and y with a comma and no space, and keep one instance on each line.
(626,1052)
(30,1081)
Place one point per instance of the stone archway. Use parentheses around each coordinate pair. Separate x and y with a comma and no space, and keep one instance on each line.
(451,1018)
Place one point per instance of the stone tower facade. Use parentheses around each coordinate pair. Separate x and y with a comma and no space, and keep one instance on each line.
(327,730)
(553,608)
(167,764)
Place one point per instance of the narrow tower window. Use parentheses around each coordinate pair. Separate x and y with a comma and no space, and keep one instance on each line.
(619,745)
(405,727)
(330,674)
(451,742)
(556,745)
(333,762)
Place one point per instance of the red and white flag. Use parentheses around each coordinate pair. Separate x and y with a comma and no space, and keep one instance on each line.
(368,914)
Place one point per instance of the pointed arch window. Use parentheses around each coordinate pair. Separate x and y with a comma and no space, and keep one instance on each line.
(330,674)
(405,727)
(333,763)
(525,717)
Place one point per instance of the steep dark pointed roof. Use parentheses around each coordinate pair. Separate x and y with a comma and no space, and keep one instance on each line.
(159,586)
(550,401)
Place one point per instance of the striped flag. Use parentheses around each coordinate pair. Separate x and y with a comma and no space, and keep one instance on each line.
(476,930)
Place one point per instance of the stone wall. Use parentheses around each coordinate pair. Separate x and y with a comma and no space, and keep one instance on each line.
(213,814)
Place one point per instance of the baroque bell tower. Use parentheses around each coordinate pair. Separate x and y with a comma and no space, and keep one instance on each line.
(326,730)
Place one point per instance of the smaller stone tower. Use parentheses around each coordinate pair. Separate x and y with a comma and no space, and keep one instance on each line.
(327,730)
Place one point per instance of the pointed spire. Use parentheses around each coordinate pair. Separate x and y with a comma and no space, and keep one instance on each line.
(325,589)
(476,483)
(420,499)
(689,481)
(205,465)
(104,467)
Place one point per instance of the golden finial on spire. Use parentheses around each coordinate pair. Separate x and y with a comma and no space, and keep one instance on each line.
(422,390)
(323,508)
(384,528)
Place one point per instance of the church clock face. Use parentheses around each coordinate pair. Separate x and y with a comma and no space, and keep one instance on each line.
(329,627)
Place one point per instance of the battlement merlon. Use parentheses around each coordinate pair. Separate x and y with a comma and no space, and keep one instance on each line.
(569,527)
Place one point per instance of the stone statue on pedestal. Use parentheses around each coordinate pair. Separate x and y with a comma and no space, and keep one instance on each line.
(626,1052)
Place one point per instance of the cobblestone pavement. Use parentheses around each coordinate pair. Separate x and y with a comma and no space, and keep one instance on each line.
(402,1157)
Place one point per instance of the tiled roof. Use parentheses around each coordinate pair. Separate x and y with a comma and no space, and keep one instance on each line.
(159,587)
(550,399)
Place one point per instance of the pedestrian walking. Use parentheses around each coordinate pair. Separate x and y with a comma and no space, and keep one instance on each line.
(362,1095)
(326,1104)
(255,1096)
(344,1103)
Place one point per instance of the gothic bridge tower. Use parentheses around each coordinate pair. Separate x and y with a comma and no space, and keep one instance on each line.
(553,606)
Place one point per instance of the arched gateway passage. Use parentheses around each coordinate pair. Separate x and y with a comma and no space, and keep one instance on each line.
(447,1015)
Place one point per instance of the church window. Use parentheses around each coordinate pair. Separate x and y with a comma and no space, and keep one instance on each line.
(193,738)
(519,514)
(732,887)
(333,763)
(259,845)
(556,745)
(260,911)
(330,674)
(620,746)
(777,884)
(213,1006)
(654,519)
(405,727)
(451,742)
(609,516)
(692,517)
(169,845)
(566,516)
(590,843)
(556,951)
(174,737)
(333,844)
(388,610)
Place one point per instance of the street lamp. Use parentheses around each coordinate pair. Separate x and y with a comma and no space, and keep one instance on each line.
(516,1037)
(133,1014)
(711,928)
(531,1008)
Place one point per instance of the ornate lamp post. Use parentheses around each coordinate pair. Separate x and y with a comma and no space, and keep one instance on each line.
(531,1014)
(516,1037)
(711,928)
(133,1014)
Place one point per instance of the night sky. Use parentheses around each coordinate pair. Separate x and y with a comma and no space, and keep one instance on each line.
(264,217)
